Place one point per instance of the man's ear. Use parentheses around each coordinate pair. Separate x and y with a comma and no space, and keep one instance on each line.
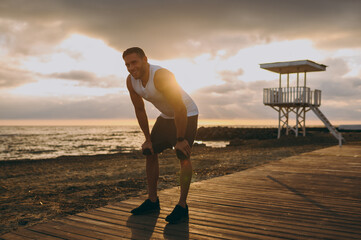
(145,59)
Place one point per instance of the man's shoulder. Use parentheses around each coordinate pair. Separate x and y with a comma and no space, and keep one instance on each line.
(163,74)
(157,70)
(162,71)
(163,78)
(155,67)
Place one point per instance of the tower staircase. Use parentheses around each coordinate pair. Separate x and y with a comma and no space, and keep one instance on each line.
(327,123)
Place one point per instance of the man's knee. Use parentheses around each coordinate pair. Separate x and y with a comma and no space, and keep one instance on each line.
(185,162)
(152,158)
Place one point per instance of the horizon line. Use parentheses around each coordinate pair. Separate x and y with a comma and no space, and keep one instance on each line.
(133,121)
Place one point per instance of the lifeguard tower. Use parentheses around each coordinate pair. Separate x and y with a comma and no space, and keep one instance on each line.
(296,99)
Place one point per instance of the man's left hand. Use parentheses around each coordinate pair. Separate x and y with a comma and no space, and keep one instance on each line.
(184,147)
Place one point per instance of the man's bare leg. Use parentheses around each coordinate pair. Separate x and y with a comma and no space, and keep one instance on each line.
(180,212)
(185,181)
(152,169)
(151,204)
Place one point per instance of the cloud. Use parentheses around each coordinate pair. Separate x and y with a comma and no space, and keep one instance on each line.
(12,77)
(173,29)
(230,76)
(25,37)
(109,106)
(335,84)
(232,100)
(90,79)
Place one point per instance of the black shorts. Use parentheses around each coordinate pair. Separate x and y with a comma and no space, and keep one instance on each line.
(164,133)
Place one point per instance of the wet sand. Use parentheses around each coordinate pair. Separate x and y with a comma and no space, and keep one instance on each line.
(36,191)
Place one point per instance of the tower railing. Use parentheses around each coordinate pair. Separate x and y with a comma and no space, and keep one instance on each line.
(291,96)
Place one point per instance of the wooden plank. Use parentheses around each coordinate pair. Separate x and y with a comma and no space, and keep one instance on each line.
(26,233)
(73,228)
(307,204)
(13,236)
(216,230)
(145,229)
(105,218)
(280,197)
(60,233)
(103,227)
(308,209)
(154,223)
(102,232)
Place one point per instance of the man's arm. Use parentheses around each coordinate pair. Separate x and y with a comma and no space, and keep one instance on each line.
(139,108)
(165,82)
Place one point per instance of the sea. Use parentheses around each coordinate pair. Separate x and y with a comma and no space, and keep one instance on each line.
(44,142)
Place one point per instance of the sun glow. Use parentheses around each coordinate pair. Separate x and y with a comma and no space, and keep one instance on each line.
(78,52)
(204,70)
(58,88)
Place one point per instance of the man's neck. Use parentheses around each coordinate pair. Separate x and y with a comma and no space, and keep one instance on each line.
(145,78)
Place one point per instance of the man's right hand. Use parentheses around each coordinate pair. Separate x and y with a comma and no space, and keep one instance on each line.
(148,145)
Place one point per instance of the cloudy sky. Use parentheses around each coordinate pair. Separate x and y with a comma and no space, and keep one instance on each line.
(61,59)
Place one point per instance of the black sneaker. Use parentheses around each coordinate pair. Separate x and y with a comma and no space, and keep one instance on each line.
(178,215)
(146,207)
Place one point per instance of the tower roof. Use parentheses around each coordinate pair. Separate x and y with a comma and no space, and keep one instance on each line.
(293,66)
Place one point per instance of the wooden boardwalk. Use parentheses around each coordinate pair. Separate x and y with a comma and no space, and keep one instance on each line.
(315,195)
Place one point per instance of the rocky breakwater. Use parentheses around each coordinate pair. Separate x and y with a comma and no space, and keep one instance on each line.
(236,136)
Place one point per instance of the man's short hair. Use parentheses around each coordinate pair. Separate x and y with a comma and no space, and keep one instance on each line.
(136,50)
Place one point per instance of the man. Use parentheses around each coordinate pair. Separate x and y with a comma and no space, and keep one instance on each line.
(175,127)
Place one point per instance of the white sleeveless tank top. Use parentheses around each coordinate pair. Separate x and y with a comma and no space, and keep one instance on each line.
(151,94)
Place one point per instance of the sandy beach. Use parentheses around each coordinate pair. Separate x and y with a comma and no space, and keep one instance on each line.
(37,191)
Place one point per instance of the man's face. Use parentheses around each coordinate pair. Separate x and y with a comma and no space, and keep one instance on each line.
(136,65)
